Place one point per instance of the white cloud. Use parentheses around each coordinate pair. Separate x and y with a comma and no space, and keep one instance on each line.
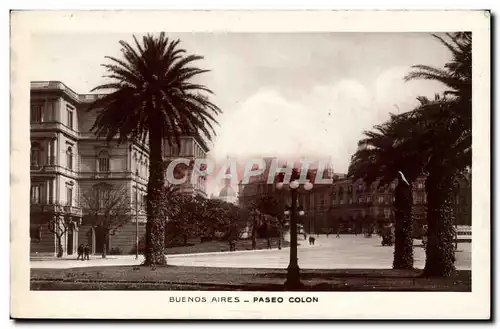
(327,122)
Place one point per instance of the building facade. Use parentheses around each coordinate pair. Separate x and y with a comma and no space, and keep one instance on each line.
(191,148)
(68,163)
(348,206)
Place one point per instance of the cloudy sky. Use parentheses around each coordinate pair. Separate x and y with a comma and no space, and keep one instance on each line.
(302,94)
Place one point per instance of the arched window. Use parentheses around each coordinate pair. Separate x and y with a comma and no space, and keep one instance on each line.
(103,161)
(36,151)
(69,158)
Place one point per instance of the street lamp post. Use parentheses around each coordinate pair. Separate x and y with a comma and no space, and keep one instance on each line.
(293,271)
(255,212)
(136,226)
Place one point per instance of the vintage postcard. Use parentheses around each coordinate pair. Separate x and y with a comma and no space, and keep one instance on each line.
(250,164)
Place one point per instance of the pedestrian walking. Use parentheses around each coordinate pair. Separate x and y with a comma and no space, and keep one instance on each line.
(338,234)
(86,250)
(313,240)
(80,252)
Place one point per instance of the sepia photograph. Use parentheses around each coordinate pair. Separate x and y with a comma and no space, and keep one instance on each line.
(274,168)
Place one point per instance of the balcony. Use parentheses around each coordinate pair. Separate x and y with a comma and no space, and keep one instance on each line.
(52,169)
(72,210)
(54,125)
(51,208)
(106,175)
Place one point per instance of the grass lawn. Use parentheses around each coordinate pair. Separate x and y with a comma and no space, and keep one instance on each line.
(235,279)
(194,246)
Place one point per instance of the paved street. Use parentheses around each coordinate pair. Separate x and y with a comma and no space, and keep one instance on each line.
(348,251)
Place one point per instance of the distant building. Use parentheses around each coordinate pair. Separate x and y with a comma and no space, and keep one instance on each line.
(191,148)
(227,193)
(350,206)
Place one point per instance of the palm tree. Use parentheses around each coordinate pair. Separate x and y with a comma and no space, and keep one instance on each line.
(447,133)
(386,155)
(153,99)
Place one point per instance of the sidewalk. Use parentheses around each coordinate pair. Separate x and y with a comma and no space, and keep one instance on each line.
(124,260)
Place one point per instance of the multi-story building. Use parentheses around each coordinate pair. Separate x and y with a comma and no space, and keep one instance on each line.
(190,148)
(68,162)
(357,208)
(351,206)
(315,203)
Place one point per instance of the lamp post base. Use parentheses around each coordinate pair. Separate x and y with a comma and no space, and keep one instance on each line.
(293,279)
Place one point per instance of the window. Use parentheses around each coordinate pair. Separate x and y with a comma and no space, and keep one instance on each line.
(144,201)
(69,158)
(103,159)
(380,199)
(69,112)
(36,233)
(69,195)
(35,154)
(37,112)
(174,149)
(35,193)
(103,194)
(51,191)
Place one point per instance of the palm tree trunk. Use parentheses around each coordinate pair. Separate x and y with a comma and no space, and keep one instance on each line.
(440,253)
(155,226)
(403,244)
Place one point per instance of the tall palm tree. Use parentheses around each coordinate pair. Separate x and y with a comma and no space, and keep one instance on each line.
(386,155)
(447,131)
(153,98)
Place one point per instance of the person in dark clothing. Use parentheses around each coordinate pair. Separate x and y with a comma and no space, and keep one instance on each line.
(80,252)
(313,240)
(338,234)
(86,250)
(310,240)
